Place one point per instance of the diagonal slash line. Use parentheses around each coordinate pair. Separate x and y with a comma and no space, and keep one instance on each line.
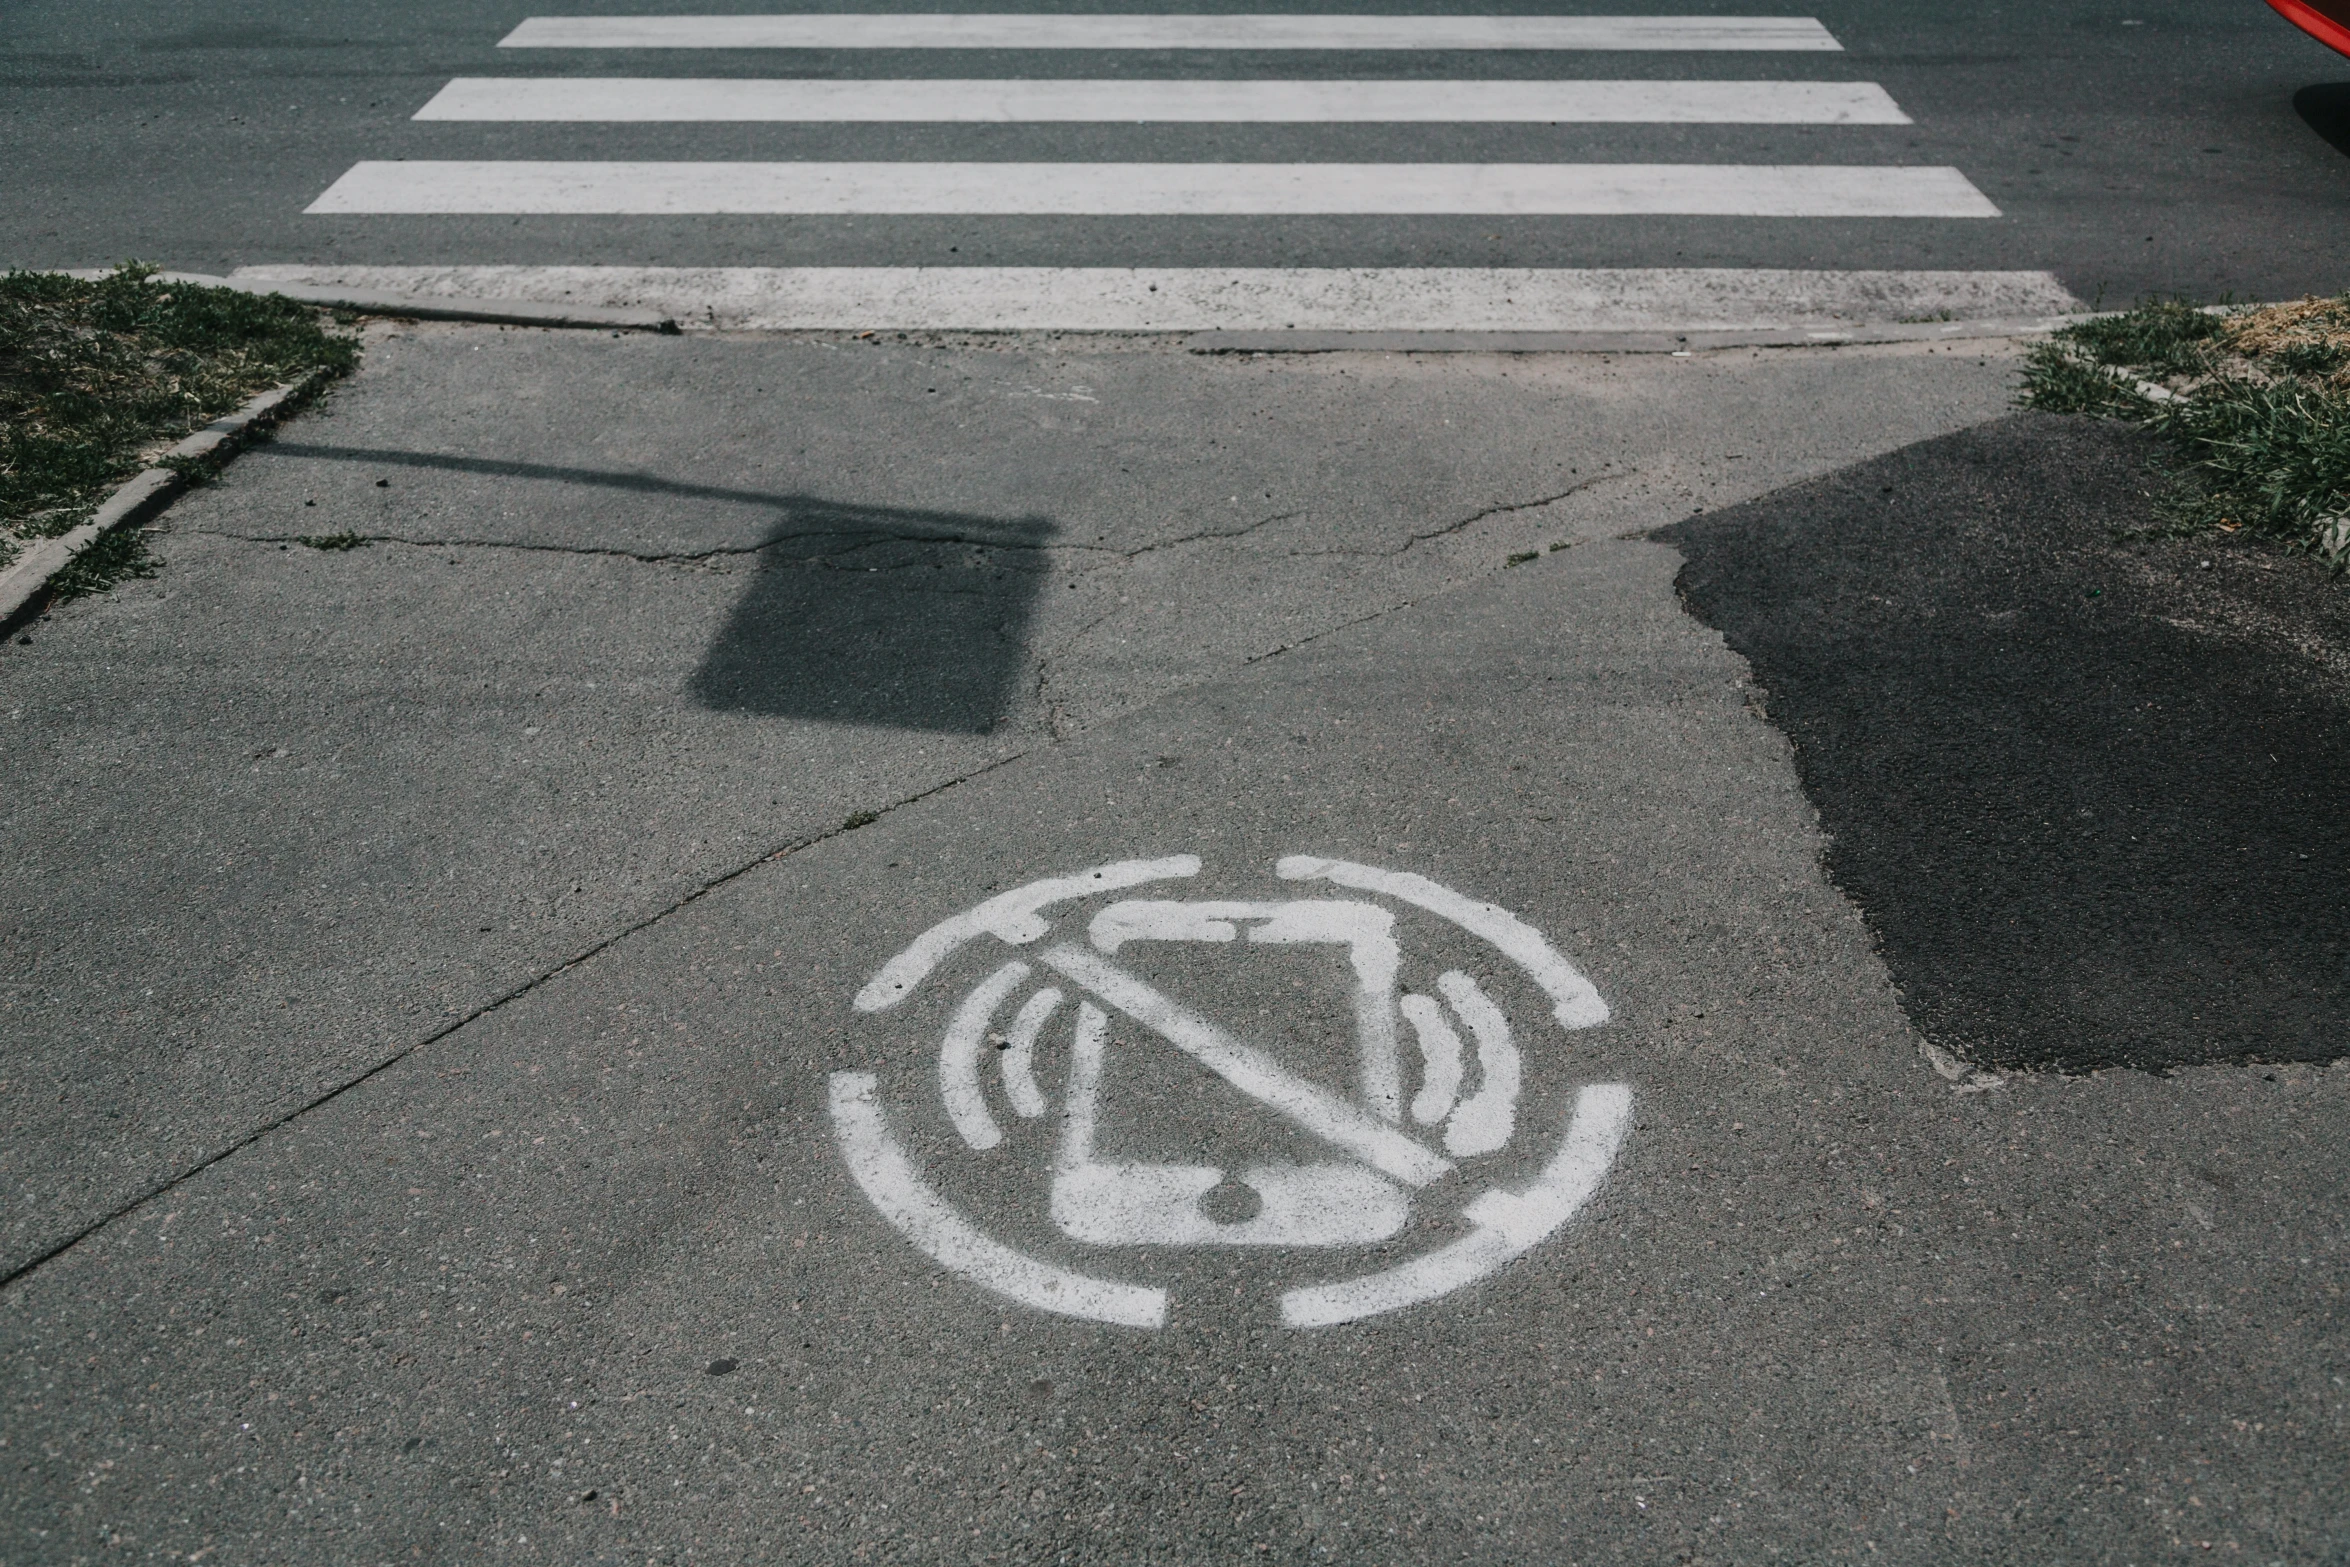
(1329,1116)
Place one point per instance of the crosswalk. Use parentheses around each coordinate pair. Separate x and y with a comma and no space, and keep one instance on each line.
(942,30)
(689,99)
(992,187)
(1156,189)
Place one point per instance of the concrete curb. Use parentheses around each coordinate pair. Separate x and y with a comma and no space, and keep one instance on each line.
(1658,342)
(142,495)
(1161,304)
(490,312)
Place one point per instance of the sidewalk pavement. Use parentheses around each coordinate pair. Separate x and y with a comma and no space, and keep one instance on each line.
(524,845)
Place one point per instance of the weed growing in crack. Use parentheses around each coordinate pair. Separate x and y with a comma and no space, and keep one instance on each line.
(334,541)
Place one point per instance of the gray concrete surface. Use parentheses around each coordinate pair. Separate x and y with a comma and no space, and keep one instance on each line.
(282,813)
(585,1279)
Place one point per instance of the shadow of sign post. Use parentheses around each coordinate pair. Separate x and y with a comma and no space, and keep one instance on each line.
(855,614)
(867,615)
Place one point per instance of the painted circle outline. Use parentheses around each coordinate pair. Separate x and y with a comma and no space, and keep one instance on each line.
(1505,1224)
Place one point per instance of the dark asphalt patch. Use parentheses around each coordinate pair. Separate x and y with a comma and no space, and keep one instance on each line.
(2085,788)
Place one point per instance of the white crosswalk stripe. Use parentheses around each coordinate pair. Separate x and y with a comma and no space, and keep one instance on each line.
(628,187)
(1158,189)
(934,30)
(642,99)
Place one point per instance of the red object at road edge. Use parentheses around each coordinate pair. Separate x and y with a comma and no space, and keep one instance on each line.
(2332,31)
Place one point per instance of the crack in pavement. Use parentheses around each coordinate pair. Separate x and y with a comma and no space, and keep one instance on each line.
(1502,510)
(1327,631)
(1054,734)
(870,537)
(1241,532)
(864,541)
(497,1003)
(1052,710)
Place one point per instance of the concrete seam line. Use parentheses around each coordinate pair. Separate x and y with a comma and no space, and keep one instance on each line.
(496,1003)
(1602,342)
(594,949)
(142,495)
(1173,302)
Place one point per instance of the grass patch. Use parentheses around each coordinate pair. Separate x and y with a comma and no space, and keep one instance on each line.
(112,557)
(2258,409)
(96,376)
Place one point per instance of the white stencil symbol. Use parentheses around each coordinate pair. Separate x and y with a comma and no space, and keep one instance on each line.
(1463,1073)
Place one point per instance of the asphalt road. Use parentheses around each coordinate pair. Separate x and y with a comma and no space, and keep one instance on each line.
(1053,950)
(2177,146)
(485,1091)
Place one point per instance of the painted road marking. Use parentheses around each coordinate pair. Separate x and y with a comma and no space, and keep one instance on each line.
(639,99)
(1574,999)
(944,31)
(958,1060)
(1133,1203)
(1326,1114)
(1508,1224)
(1440,1059)
(1482,1122)
(1361,1193)
(1019,1047)
(896,1187)
(1016,917)
(1237,299)
(1157,189)
(1366,930)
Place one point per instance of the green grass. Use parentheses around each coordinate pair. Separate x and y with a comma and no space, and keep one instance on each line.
(2259,414)
(2161,337)
(2274,457)
(95,376)
(110,558)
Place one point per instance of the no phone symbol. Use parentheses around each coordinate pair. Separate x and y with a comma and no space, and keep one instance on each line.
(1401,1100)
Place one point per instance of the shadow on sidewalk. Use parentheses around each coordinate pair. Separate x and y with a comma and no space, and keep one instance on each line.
(868,615)
(857,614)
